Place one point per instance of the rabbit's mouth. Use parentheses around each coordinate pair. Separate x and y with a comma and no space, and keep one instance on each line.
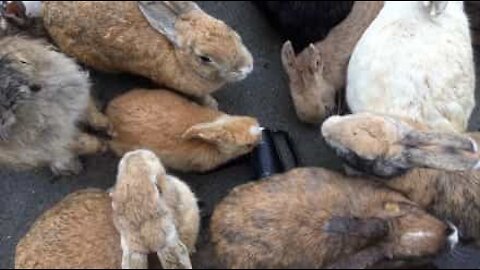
(239,74)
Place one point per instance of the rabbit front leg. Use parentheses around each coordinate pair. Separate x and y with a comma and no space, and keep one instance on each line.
(207,101)
(86,144)
(67,165)
(97,120)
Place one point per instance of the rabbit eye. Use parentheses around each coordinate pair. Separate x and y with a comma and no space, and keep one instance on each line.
(205,59)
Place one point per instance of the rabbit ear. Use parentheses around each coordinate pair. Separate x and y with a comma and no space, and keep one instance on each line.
(370,228)
(288,57)
(212,132)
(134,260)
(175,256)
(162,15)
(315,59)
(442,158)
(444,151)
(16,12)
(416,138)
(435,8)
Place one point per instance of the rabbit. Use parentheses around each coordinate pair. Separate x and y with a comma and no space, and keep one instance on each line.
(85,229)
(43,96)
(150,218)
(21,17)
(387,146)
(314,218)
(304,22)
(173,43)
(395,151)
(416,61)
(319,72)
(187,137)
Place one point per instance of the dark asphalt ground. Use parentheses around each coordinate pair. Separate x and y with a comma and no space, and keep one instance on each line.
(264,94)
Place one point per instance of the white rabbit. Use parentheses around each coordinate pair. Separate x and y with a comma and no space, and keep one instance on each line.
(416,61)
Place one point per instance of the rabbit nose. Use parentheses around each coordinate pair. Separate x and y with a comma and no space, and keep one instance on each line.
(452,235)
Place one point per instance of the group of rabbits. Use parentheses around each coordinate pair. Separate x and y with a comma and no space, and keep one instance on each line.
(411,186)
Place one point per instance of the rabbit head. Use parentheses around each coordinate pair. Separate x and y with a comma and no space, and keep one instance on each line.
(386,146)
(16,88)
(305,73)
(231,134)
(211,48)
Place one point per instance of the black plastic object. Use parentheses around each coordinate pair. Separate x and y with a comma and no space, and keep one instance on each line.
(275,154)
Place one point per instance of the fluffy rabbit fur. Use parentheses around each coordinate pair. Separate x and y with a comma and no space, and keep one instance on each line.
(186,136)
(386,146)
(153,212)
(43,95)
(319,72)
(174,43)
(416,61)
(314,218)
(80,232)
(299,21)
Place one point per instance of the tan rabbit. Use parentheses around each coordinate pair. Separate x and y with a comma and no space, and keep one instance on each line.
(81,231)
(319,72)
(174,43)
(152,219)
(314,218)
(387,146)
(186,136)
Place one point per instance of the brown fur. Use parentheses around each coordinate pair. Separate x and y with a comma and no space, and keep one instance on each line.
(152,219)
(79,232)
(183,134)
(320,71)
(452,195)
(387,145)
(116,36)
(76,233)
(313,218)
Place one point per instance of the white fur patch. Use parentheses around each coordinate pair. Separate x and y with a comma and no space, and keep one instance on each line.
(474,145)
(454,238)
(477,166)
(256,130)
(34,8)
(413,236)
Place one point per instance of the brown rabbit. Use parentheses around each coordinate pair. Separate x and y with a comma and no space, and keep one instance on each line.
(319,72)
(388,146)
(80,232)
(314,218)
(385,146)
(186,136)
(152,219)
(174,43)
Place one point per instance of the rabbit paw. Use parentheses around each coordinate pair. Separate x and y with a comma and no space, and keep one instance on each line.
(209,101)
(67,168)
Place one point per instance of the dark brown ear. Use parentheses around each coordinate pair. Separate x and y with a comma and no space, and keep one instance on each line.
(364,259)
(371,228)
(445,151)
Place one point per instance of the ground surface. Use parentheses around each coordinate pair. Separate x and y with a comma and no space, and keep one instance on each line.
(264,94)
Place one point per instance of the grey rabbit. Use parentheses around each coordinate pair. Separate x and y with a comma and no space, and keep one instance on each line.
(43,95)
